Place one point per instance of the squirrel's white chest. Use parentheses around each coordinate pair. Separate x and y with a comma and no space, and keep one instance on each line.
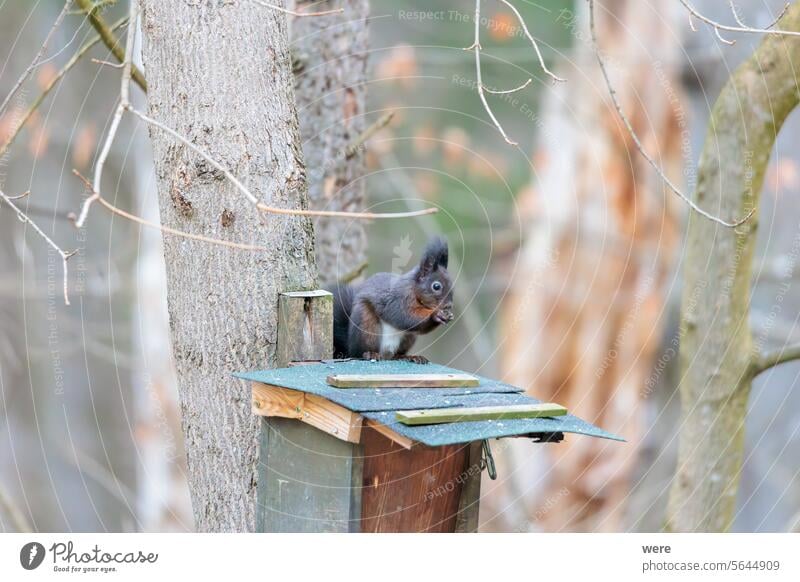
(391,337)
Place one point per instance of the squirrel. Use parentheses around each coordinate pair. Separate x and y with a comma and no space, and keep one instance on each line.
(381,317)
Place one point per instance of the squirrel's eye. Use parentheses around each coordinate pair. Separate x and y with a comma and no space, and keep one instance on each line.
(436,286)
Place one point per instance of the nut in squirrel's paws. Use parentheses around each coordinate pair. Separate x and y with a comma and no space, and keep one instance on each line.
(443,317)
(416,359)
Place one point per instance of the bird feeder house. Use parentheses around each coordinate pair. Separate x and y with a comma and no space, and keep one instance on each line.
(379,446)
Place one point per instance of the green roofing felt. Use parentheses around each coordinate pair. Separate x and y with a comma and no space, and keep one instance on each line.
(465,432)
(380,404)
(312,379)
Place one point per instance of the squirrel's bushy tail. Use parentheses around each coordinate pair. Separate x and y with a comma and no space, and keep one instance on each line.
(342,308)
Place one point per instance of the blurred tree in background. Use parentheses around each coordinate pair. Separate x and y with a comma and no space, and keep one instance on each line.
(586,310)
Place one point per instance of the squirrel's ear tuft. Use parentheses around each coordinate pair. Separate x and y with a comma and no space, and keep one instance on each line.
(435,255)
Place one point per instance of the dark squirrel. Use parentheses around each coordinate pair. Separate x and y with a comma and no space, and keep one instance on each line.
(382,317)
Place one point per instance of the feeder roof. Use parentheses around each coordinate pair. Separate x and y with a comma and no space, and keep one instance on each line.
(381,404)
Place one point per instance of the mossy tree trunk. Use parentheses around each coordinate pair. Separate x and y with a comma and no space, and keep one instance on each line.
(718,359)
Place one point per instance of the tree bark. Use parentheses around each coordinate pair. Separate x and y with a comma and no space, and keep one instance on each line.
(220,74)
(582,320)
(717,354)
(330,63)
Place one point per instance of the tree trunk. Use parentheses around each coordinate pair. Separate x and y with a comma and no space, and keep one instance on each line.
(717,350)
(220,74)
(582,322)
(330,63)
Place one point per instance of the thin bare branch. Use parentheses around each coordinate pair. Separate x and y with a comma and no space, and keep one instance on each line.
(722,39)
(776,358)
(109,39)
(535,44)
(37,58)
(296,13)
(127,62)
(99,165)
(613,94)
(507,91)
(125,82)
(476,47)
(770,25)
(356,144)
(19,196)
(63,254)
(51,85)
(165,229)
(742,27)
(108,63)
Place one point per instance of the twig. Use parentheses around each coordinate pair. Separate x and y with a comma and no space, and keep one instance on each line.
(612,92)
(64,255)
(19,196)
(108,64)
(476,46)
(165,229)
(98,172)
(482,89)
(109,39)
(742,26)
(295,13)
(507,91)
(535,44)
(37,58)
(53,82)
(776,358)
(723,40)
(124,90)
(738,18)
(355,145)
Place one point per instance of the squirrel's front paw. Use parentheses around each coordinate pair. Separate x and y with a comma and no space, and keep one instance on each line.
(371,356)
(416,359)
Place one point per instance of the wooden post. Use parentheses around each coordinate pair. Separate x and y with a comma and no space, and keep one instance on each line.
(308,480)
(305,326)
